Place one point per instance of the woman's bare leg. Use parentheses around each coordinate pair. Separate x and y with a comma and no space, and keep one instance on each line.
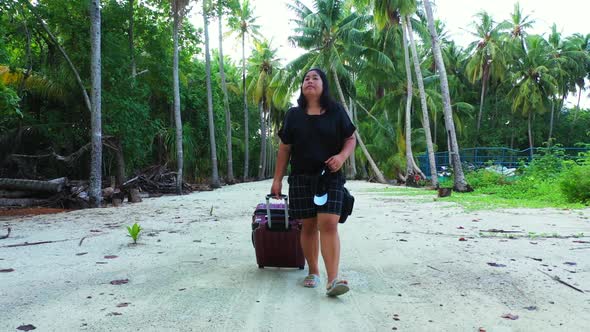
(330,243)
(310,244)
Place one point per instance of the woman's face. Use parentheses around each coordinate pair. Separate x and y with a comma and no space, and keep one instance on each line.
(312,85)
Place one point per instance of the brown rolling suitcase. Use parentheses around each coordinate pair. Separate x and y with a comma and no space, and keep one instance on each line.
(275,236)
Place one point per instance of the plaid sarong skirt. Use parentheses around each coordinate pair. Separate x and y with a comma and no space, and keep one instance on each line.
(302,189)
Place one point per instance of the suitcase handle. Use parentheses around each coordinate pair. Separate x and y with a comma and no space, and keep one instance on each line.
(269,220)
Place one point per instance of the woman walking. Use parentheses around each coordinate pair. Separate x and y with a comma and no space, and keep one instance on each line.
(316,135)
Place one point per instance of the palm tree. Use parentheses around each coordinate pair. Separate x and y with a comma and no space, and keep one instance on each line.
(578,47)
(487,59)
(178,12)
(425,117)
(95,192)
(326,35)
(389,13)
(460,184)
(230,163)
(263,64)
(556,51)
(534,80)
(215,173)
(518,24)
(131,4)
(242,22)
(33,10)
(410,170)
(573,60)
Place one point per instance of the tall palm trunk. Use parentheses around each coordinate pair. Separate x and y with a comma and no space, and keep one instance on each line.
(551,122)
(484,83)
(578,105)
(177,116)
(410,180)
(269,147)
(530,132)
(378,174)
(230,163)
(131,42)
(460,184)
(262,162)
(246,131)
(29,61)
(362,168)
(215,172)
(96,117)
(352,159)
(425,116)
(561,104)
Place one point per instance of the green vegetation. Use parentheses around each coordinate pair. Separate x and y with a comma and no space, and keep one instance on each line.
(507,88)
(549,181)
(134,232)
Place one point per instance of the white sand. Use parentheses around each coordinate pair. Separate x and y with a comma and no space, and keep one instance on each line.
(196,272)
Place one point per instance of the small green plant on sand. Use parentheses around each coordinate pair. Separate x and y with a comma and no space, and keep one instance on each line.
(134,232)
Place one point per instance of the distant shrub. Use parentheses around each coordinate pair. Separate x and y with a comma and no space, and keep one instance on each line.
(575,180)
(485,178)
(547,164)
(575,184)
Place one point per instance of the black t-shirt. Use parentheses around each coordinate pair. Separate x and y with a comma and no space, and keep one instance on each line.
(314,138)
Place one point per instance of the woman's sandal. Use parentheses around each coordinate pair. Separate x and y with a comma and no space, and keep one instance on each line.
(337,287)
(311,281)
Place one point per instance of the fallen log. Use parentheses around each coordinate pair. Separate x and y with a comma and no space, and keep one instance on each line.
(15,194)
(22,202)
(52,186)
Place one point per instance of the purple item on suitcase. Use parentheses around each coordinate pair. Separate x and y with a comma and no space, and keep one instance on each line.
(276,241)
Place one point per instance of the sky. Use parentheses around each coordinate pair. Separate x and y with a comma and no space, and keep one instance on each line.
(274,17)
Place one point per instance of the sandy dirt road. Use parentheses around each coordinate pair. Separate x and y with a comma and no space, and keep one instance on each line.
(194,269)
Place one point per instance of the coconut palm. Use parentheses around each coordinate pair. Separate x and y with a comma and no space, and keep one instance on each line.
(410,169)
(178,12)
(94,191)
(215,173)
(460,184)
(518,24)
(230,163)
(424,105)
(55,41)
(555,44)
(327,34)
(243,23)
(487,58)
(263,65)
(131,4)
(578,47)
(389,13)
(534,81)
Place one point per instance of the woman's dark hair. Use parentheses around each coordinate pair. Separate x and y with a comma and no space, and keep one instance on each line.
(326,101)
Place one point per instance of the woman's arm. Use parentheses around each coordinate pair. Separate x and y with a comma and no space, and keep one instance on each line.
(280,168)
(335,162)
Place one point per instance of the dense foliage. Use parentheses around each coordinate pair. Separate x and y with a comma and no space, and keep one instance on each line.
(515,102)
(549,180)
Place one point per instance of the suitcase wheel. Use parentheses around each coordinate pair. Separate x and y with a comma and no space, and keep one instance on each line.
(260,266)
(301,267)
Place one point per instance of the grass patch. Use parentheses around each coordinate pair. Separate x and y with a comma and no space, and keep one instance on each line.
(403,191)
(525,192)
(479,201)
(495,194)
